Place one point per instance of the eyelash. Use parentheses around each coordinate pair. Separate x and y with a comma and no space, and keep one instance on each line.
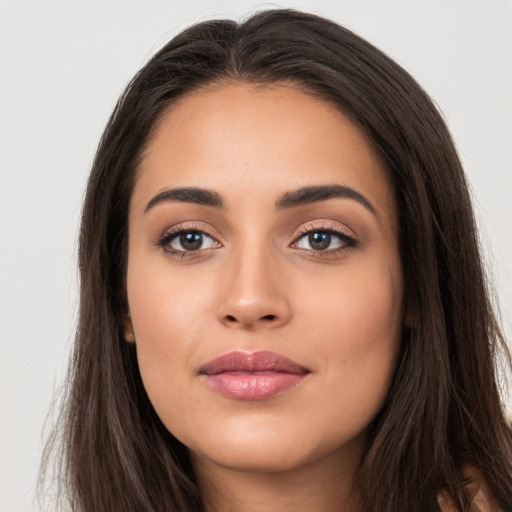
(348,242)
(165,240)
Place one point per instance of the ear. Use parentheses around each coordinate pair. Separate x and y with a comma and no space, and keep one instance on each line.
(129,336)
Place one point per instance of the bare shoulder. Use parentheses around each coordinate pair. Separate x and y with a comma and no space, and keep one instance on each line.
(478,489)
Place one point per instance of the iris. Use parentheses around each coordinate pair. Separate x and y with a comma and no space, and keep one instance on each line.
(319,241)
(191,241)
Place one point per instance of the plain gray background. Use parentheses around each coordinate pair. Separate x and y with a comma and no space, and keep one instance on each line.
(63,65)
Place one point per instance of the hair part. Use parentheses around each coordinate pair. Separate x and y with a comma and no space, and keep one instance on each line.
(444,408)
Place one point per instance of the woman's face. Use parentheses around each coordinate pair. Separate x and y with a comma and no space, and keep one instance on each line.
(264,281)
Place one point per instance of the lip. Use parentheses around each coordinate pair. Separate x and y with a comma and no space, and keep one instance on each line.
(252,375)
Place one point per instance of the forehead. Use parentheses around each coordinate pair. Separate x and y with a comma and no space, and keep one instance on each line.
(253,141)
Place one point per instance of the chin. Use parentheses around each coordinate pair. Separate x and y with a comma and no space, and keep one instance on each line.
(275,451)
(255,459)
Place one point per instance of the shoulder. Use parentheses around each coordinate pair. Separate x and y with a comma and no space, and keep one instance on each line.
(478,489)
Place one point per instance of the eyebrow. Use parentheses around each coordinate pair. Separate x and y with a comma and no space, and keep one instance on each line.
(200,196)
(314,194)
(299,197)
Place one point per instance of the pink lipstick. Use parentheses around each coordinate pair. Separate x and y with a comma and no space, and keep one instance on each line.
(252,376)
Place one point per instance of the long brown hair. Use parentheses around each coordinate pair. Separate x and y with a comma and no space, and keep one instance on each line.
(444,408)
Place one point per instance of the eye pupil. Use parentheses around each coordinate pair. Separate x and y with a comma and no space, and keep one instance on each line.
(319,241)
(191,241)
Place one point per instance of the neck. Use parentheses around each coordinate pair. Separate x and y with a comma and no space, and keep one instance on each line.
(322,486)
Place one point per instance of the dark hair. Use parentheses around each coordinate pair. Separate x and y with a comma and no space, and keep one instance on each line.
(443,410)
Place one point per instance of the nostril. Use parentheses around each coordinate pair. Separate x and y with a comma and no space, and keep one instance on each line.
(267,318)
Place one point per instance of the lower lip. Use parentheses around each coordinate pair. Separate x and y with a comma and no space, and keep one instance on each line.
(254,385)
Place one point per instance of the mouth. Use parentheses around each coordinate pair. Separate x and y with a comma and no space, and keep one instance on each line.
(252,376)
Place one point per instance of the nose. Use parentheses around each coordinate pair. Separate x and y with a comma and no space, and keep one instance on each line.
(253,293)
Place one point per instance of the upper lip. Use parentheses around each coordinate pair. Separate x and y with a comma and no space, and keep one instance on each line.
(264,360)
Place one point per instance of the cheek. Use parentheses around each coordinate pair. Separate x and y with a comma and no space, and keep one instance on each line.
(169,318)
(360,304)
(357,324)
(365,314)
(160,310)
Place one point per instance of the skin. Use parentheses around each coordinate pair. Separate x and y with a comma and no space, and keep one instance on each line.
(477,488)
(258,285)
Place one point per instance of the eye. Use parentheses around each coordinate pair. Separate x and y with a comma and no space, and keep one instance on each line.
(191,241)
(324,240)
(187,241)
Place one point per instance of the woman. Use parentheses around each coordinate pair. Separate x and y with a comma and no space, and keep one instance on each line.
(282,300)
